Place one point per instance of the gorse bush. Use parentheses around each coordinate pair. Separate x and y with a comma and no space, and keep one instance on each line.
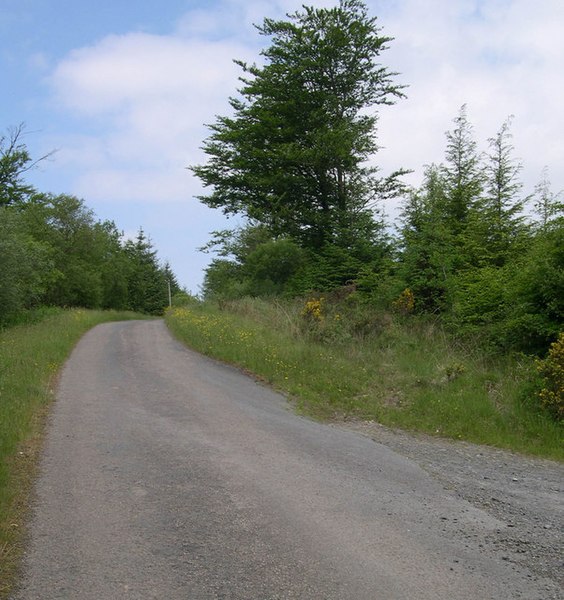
(342,317)
(552,371)
(313,309)
(405,303)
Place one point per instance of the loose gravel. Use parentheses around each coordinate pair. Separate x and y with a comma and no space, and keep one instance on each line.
(524,493)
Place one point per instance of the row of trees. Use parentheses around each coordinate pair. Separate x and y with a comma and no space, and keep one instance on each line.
(293,158)
(53,251)
(475,249)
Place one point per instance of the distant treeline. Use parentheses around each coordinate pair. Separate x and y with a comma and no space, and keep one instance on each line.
(54,252)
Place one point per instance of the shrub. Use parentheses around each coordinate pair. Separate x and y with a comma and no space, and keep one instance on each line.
(552,370)
(313,309)
(405,303)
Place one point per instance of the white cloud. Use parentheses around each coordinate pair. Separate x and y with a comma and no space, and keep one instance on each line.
(122,71)
(500,57)
(151,96)
(131,185)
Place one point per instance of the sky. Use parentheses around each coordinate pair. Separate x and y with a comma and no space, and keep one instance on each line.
(122,90)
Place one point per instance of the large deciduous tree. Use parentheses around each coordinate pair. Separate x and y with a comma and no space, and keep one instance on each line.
(293,154)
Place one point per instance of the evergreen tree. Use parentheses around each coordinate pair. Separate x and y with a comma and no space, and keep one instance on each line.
(548,206)
(426,242)
(147,285)
(501,205)
(114,268)
(535,293)
(462,174)
(172,284)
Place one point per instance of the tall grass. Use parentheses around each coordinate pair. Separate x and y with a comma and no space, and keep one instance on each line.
(348,361)
(31,355)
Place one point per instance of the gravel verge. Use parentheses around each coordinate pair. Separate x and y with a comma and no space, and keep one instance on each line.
(524,493)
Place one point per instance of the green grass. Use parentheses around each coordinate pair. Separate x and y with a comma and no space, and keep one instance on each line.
(400,371)
(31,355)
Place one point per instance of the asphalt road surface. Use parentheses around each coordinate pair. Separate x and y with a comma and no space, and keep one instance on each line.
(168,475)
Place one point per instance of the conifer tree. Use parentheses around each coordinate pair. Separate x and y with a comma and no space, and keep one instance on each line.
(426,242)
(462,174)
(501,206)
(548,206)
(147,286)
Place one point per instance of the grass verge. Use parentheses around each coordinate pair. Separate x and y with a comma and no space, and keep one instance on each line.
(400,371)
(31,356)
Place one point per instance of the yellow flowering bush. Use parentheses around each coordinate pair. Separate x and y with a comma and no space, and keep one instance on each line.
(321,323)
(405,303)
(314,309)
(454,370)
(552,370)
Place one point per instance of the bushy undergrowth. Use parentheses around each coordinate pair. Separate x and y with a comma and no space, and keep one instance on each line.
(552,371)
(338,358)
(31,355)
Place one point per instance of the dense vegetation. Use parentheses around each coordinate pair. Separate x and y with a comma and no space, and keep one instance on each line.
(54,252)
(467,250)
(296,157)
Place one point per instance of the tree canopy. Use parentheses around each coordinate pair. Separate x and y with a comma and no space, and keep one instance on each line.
(293,155)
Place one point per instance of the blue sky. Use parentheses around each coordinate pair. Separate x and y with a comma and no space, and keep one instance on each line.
(122,89)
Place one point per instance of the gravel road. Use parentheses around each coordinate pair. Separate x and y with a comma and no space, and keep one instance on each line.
(168,475)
